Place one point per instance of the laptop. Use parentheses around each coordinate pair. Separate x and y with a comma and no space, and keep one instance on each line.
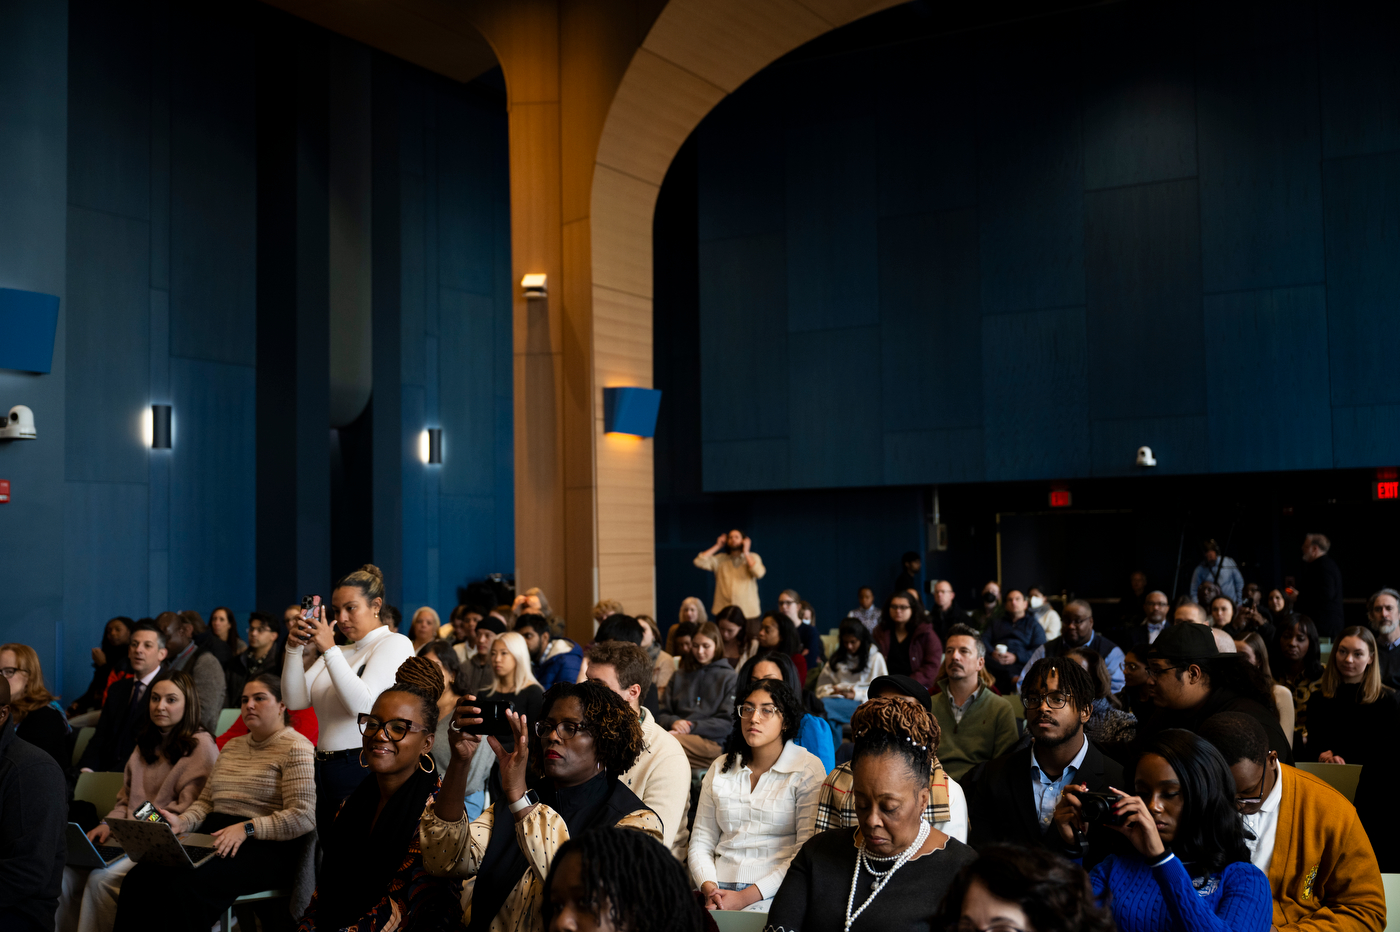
(82,852)
(157,843)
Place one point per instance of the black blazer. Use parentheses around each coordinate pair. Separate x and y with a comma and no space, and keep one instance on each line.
(116,734)
(1001,807)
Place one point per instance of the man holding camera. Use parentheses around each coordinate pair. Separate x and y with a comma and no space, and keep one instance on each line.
(1013,798)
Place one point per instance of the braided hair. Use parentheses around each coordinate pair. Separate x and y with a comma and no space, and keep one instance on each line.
(633,878)
(616,729)
(896,726)
(421,678)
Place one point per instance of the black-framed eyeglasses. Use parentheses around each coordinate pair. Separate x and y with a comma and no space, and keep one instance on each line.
(1251,804)
(786,602)
(1055,700)
(1154,672)
(967,925)
(565,730)
(8,672)
(395,729)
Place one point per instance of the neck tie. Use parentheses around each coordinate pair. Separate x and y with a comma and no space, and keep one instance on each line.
(136,692)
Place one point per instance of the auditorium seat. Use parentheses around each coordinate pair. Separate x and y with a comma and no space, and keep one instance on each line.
(226,719)
(1342,777)
(739,920)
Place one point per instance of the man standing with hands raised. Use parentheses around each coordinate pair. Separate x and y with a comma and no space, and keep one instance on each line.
(737,573)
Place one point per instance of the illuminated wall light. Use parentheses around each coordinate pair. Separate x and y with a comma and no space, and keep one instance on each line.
(430,446)
(159,432)
(632,411)
(535,285)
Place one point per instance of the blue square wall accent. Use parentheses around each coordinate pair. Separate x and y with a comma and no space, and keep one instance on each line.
(630,411)
(28,320)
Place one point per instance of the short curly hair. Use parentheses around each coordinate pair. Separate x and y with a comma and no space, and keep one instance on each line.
(789,710)
(616,729)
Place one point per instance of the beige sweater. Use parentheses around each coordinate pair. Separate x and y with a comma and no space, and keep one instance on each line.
(270,783)
(173,787)
(661,777)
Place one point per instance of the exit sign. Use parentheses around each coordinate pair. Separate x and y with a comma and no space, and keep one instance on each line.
(1386,490)
(1060,498)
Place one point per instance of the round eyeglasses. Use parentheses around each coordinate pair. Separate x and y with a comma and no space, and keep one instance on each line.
(395,729)
(565,730)
(1055,700)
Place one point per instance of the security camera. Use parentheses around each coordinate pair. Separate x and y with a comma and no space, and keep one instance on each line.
(19,425)
(1145,457)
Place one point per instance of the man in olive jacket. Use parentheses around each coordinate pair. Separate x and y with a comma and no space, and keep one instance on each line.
(976,724)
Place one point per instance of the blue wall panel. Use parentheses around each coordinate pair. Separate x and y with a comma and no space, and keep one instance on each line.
(467,414)
(954,455)
(105,566)
(1360,63)
(1365,435)
(833,405)
(1178,444)
(467,140)
(743,169)
(745,464)
(927,131)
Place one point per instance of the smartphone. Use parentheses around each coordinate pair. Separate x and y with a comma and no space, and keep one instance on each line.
(493,717)
(147,813)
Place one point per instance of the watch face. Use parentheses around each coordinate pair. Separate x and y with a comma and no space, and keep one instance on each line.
(248,828)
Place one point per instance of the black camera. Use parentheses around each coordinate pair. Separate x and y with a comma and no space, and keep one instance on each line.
(1097,808)
(989,597)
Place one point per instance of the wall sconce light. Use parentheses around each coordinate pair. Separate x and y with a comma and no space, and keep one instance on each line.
(535,285)
(158,432)
(630,411)
(430,446)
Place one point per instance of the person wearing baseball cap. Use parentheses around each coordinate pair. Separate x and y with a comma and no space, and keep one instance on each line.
(1193,680)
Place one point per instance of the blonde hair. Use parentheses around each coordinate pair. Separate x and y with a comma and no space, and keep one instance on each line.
(524,676)
(35,695)
(369,579)
(1371,688)
(702,617)
(426,610)
(538,593)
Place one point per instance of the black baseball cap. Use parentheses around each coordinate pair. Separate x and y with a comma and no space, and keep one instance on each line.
(1184,643)
(496,626)
(904,685)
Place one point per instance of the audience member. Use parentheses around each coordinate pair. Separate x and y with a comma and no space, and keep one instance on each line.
(815,732)
(907,641)
(1026,889)
(990,606)
(372,875)
(1298,666)
(1043,612)
(1383,612)
(1136,694)
(776,632)
(663,665)
(737,573)
(757,802)
(200,662)
(440,654)
(865,611)
(624,628)
(1078,631)
(1206,594)
(1109,726)
(661,775)
(589,737)
(678,640)
(534,602)
(223,634)
(259,799)
(109,664)
(698,708)
(945,612)
(1320,586)
(977,725)
(1301,833)
(802,616)
(263,655)
(463,633)
(1222,611)
(1013,797)
(614,880)
(35,711)
(480,676)
(1191,613)
(692,610)
(514,681)
(1011,639)
(1353,715)
(605,609)
(345,680)
(947,805)
(555,660)
(844,683)
(1251,648)
(1154,621)
(1189,870)
(1277,604)
(423,628)
(393,619)
(126,711)
(900,866)
(1192,680)
(1128,611)
(33,813)
(173,758)
(1220,570)
(738,638)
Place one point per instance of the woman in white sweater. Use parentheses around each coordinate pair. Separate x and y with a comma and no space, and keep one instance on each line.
(844,682)
(344,681)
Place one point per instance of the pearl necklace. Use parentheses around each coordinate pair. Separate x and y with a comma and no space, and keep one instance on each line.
(882,878)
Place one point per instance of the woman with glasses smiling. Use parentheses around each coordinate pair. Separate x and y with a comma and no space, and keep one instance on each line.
(588,736)
(758,802)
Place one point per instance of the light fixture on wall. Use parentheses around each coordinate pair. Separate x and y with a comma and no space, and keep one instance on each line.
(430,446)
(628,410)
(158,427)
(535,285)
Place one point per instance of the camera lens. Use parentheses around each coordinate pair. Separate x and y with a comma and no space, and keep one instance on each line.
(1094,809)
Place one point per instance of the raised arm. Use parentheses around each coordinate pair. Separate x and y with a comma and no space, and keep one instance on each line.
(294,689)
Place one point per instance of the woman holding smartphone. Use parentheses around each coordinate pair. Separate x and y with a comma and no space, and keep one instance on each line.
(344,681)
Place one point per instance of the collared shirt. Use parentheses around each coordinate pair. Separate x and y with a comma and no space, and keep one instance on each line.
(960,710)
(870,617)
(1154,630)
(1047,791)
(1263,825)
(140,687)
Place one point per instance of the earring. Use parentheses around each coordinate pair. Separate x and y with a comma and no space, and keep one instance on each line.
(362,759)
(432,765)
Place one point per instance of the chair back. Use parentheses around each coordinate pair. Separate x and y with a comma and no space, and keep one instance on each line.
(1392,901)
(738,920)
(80,745)
(100,789)
(226,719)
(1342,777)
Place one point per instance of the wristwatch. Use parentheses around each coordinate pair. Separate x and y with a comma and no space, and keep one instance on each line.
(248,829)
(531,798)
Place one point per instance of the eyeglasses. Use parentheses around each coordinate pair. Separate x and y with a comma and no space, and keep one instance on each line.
(762,712)
(1154,672)
(967,925)
(395,729)
(1252,804)
(8,672)
(1055,700)
(1130,667)
(786,602)
(900,607)
(565,730)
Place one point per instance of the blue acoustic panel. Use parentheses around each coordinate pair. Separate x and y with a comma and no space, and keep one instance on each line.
(109,333)
(834,409)
(467,180)
(1268,407)
(28,321)
(413,277)
(743,339)
(931,329)
(105,566)
(743,465)
(213,484)
(1031,178)
(831,235)
(927,129)
(1035,386)
(1142,257)
(1178,444)
(1363,277)
(630,410)
(1259,146)
(467,550)
(466,411)
(1365,435)
(415,523)
(924,456)
(504,450)
(1360,61)
(1140,96)
(741,176)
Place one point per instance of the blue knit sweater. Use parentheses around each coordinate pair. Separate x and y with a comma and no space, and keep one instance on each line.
(1162,899)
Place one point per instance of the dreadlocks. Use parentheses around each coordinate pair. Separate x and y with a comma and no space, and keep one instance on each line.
(632,877)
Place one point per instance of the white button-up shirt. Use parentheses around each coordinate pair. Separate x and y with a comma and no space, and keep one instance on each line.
(1263,825)
(750,836)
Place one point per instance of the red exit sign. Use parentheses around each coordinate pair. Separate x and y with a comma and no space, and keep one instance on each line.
(1386,490)
(1061,498)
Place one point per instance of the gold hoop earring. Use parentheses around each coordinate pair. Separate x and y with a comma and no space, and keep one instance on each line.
(362,759)
(429,769)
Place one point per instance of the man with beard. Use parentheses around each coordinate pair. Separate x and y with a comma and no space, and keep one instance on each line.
(737,573)
(1383,611)
(1077,630)
(1013,798)
(1154,609)
(976,724)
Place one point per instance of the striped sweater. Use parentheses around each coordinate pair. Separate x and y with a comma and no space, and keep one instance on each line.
(269,783)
